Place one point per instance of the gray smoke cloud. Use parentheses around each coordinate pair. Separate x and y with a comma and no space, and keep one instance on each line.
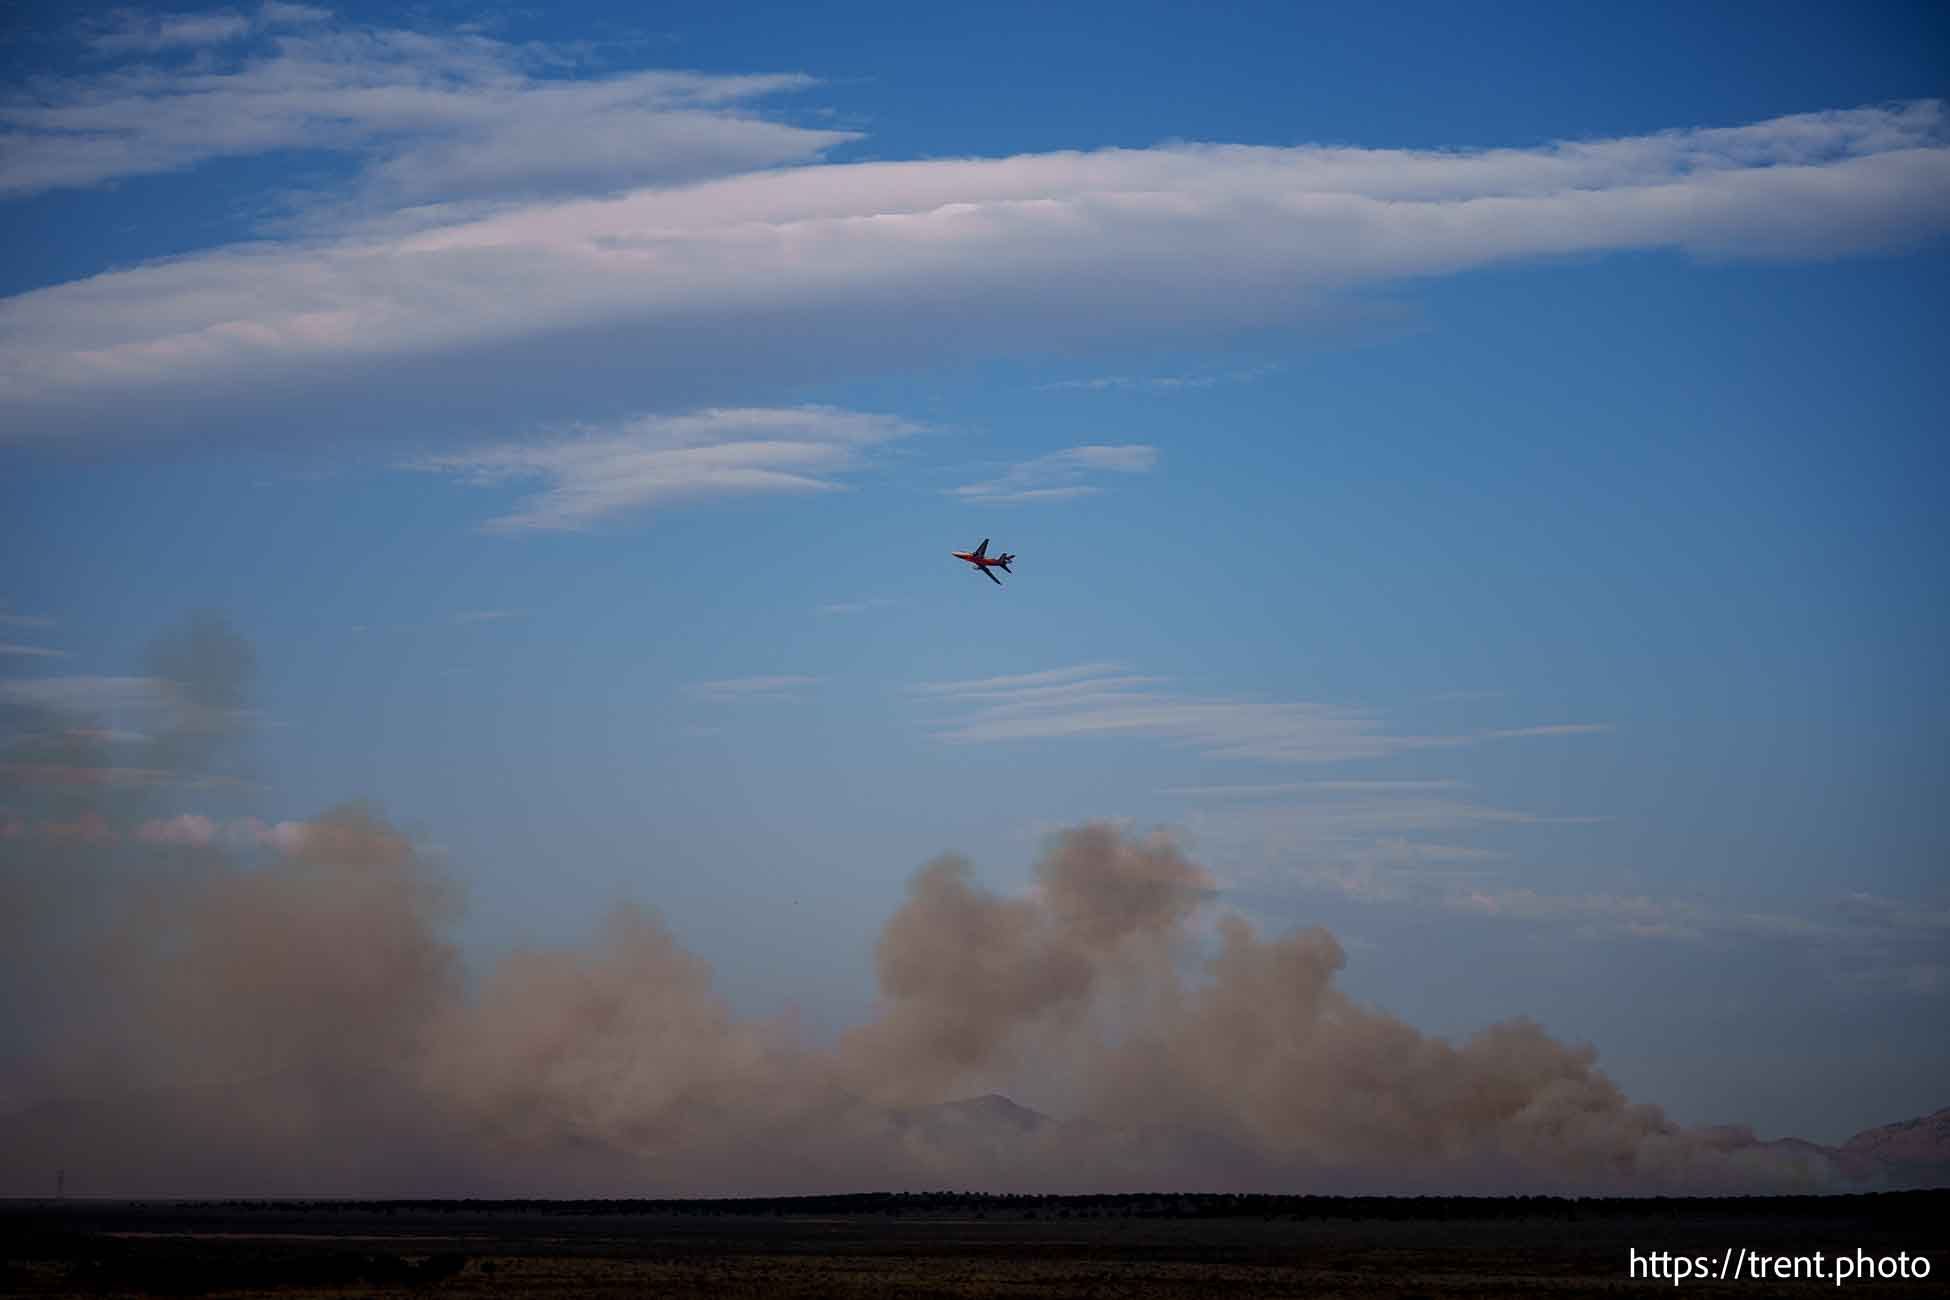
(234,1009)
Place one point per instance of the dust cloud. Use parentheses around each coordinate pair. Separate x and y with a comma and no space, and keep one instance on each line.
(199,1006)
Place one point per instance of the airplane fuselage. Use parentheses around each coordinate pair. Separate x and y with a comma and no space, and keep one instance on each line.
(979,557)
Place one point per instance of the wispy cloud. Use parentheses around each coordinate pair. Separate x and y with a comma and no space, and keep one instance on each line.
(432,117)
(1396,848)
(1018,681)
(1112,383)
(1373,846)
(24,620)
(1103,700)
(31,651)
(1634,915)
(1550,729)
(1874,945)
(1286,788)
(1413,842)
(656,459)
(1154,383)
(744,688)
(818,269)
(1062,475)
(128,31)
(488,615)
(1375,840)
(196,830)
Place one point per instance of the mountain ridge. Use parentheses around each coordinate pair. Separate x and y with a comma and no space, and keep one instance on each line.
(1906,1155)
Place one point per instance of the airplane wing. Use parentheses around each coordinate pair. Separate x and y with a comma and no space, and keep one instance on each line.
(992,578)
(983,549)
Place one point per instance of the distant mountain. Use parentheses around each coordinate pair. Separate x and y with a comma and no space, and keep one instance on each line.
(1910,1155)
(171,1142)
(989,1113)
(1913,1153)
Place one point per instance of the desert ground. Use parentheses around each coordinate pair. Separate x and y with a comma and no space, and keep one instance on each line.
(947,1245)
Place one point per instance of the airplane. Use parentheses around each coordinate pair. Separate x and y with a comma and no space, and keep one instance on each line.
(979,557)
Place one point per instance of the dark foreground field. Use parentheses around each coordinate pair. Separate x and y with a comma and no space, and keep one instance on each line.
(948,1246)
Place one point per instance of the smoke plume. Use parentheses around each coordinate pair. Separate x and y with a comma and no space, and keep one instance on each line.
(198,1006)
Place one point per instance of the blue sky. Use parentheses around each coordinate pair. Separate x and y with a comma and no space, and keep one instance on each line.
(1477,479)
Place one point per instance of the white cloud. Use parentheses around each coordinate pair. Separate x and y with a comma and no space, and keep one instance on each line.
(1396,842)
(1377,839)
(1348,854)
(1060,475)
(25,620)
(1873,945)
(273,12)
(30,651)
(1017,681)
(433,117)
(1285,788)
(740,688)
(429,117)
(1153,383)
(185,828)
(1550,729)
(1389,838)
(131,32)
(1111,383)
(1637,916)
(656,459)
(839,268)
(198,831)
(285,837)
(1101,700)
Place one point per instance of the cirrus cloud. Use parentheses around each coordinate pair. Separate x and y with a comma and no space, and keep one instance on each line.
(559,309)
(1103,699)
(598,473)
(426,117)
(1061,475)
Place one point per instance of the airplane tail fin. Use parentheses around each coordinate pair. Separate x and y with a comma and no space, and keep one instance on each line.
(1004,562)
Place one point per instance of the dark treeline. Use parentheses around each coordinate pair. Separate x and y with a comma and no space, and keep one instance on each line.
(1884,1207)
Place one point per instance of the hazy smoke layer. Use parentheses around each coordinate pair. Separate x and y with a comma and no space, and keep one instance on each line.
(226,1008)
